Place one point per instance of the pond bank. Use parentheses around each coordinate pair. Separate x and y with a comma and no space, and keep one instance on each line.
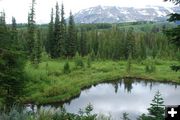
(49,84)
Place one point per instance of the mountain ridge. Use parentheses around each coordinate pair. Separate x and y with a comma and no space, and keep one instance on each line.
(114,14)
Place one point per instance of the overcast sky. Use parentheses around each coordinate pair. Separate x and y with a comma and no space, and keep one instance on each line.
(20,8)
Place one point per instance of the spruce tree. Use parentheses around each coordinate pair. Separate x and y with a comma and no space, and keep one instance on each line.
(4,33)
(14,29)
(130,43)
(50,38)
(157,107)
(12,62)
(174,33)
(57,42)
(37,47)
(62,33)
(31,33)
(156,111)
(71,41)
(83,47)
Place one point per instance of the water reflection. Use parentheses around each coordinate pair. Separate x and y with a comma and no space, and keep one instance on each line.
(131,96)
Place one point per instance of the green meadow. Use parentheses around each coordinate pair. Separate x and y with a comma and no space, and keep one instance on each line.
(48,82)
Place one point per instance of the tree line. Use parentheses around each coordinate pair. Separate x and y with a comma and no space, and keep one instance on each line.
(113,42)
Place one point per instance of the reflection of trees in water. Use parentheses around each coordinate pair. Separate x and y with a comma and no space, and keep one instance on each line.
(128,85)
(151,85)
(115,85)
(120,83)
(147,83)
(175,86)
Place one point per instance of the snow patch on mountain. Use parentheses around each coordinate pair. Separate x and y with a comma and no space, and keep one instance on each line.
(161,13)
(114,14)
(143,12)
(124,11)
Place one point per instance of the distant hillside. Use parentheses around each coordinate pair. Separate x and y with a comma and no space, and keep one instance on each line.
(112,14)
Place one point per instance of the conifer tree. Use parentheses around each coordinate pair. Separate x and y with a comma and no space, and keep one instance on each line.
(37,47)
(156,111)
(62,33)
(130,43)
(14,33)
(4,35)
(50,38)
(83,46)
(2,19)
(142,49)
(14,29)
(157,107)
(31,33)
(174,33)
(71,41)
(57,42)
(11,66)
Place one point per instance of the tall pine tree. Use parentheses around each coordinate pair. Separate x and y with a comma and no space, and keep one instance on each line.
(31,33)
(62,33)
(50,43)
(130,43)
(71,41)
(37,47)
(83,44)
(12,62)
(56,47)
(14,36)
(4,35)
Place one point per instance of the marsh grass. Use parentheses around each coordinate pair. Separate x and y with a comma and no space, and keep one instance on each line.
(48,83)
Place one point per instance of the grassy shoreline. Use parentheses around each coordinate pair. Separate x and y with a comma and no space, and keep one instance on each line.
(50,85)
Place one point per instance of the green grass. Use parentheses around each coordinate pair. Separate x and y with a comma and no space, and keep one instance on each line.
(49,84)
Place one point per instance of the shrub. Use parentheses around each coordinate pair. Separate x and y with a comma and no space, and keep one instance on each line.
(78,61)
(89,61)
(66,69)
(92,55)
(178,56)
(128,68)
(45,56)
(150,66)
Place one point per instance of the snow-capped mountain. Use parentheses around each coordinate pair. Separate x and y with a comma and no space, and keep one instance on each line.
(113,14)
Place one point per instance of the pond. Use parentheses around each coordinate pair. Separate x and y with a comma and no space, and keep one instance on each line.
(130,96)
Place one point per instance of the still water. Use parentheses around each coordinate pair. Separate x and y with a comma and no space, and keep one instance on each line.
(130,96)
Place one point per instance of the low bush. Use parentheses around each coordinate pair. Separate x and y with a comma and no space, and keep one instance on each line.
(66,69)
(88,61)
(78,61)
(150,66)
